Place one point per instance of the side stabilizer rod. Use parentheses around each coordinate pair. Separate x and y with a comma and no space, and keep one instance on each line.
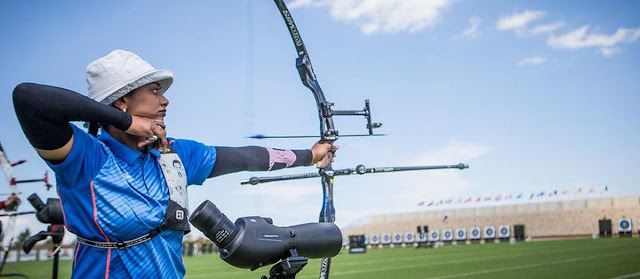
(359,169)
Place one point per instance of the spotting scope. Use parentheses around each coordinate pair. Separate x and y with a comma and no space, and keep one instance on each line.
(253,242)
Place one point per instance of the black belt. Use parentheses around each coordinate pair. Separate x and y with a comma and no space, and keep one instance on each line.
(122,244)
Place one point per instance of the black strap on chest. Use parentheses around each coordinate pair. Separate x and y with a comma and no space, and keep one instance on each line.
(171,220)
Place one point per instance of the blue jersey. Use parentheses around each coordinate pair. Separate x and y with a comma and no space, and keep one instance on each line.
(111,192)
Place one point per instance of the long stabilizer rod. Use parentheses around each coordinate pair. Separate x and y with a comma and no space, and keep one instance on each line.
(360,169)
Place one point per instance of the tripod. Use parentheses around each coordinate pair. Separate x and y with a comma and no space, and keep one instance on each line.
(287,268)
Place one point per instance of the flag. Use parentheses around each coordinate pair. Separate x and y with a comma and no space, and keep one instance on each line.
(564,192)
(467,200)
(421,203)
(498,198)
(519,196)
(606,188)
(541,194)
(448,201)
(591,191)
(430,204)
(508,196)
(532,195)
(459,201)
(479,199)
(579,192)
(487,198)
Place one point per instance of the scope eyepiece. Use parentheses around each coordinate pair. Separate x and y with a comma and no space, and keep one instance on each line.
(218,226)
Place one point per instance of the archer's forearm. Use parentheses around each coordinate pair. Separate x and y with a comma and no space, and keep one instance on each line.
(45,111)
(255,158)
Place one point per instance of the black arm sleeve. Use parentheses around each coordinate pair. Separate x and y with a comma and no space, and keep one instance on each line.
(45,111)
(252,158)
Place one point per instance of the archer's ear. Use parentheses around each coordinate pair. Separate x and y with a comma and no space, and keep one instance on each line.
(120,104)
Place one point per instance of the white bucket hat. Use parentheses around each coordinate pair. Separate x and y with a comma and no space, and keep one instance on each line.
(121,72)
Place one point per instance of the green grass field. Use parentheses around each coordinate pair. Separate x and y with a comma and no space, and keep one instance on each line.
(581,258)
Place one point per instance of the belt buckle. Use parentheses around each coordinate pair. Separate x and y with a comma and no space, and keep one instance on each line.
(121,245)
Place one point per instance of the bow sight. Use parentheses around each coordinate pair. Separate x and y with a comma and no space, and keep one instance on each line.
(328,132)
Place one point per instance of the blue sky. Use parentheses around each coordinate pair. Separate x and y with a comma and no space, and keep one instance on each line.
(534,95)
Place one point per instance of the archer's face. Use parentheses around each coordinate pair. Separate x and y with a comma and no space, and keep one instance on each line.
(147,101)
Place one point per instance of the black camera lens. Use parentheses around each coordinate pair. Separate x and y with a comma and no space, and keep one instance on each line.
(213,223)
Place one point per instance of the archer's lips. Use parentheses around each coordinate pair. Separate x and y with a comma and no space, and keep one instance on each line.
(162,113)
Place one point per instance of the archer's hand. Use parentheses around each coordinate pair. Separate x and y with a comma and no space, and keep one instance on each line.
(8,203)
(149,129)
(323,153)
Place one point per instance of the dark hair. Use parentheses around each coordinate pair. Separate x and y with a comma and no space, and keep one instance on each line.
(93,128)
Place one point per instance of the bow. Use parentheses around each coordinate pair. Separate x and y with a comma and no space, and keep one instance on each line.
(328,132)
(7,168)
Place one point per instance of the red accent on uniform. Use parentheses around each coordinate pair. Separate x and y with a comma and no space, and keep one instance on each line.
(95,220)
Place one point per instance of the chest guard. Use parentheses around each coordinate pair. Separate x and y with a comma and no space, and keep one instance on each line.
(176,216)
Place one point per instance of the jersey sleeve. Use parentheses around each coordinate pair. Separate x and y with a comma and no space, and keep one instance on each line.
(198,159)
(84,161)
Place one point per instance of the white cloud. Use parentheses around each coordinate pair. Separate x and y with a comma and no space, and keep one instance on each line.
(299,3)
(388,16)
(546,28)
(582,38)
(472,31)
(531,61)
(519,21)
(609,51)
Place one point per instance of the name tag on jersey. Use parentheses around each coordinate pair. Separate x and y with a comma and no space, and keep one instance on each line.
(176,178)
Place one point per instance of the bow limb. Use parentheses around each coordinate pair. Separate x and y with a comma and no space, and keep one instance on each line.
(327,129)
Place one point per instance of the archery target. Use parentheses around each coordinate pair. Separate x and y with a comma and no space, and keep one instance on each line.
(461,234)
(375,239)
(386,238)
(475,233)
(489,232)
(447,235)
(624,225)
(397,238)
(434,235)
(504,232)
(421,237)
(409,237)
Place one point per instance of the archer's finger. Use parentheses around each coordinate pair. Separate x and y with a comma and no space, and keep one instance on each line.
(163,143)
(146,142)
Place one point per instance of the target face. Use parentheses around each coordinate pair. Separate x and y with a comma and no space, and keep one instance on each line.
(475,232)
(504,231)
(434,235)
(489,232)
(447,234)
(409,237)
(460,233)
(422,237)
(624,224)
(397,238)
